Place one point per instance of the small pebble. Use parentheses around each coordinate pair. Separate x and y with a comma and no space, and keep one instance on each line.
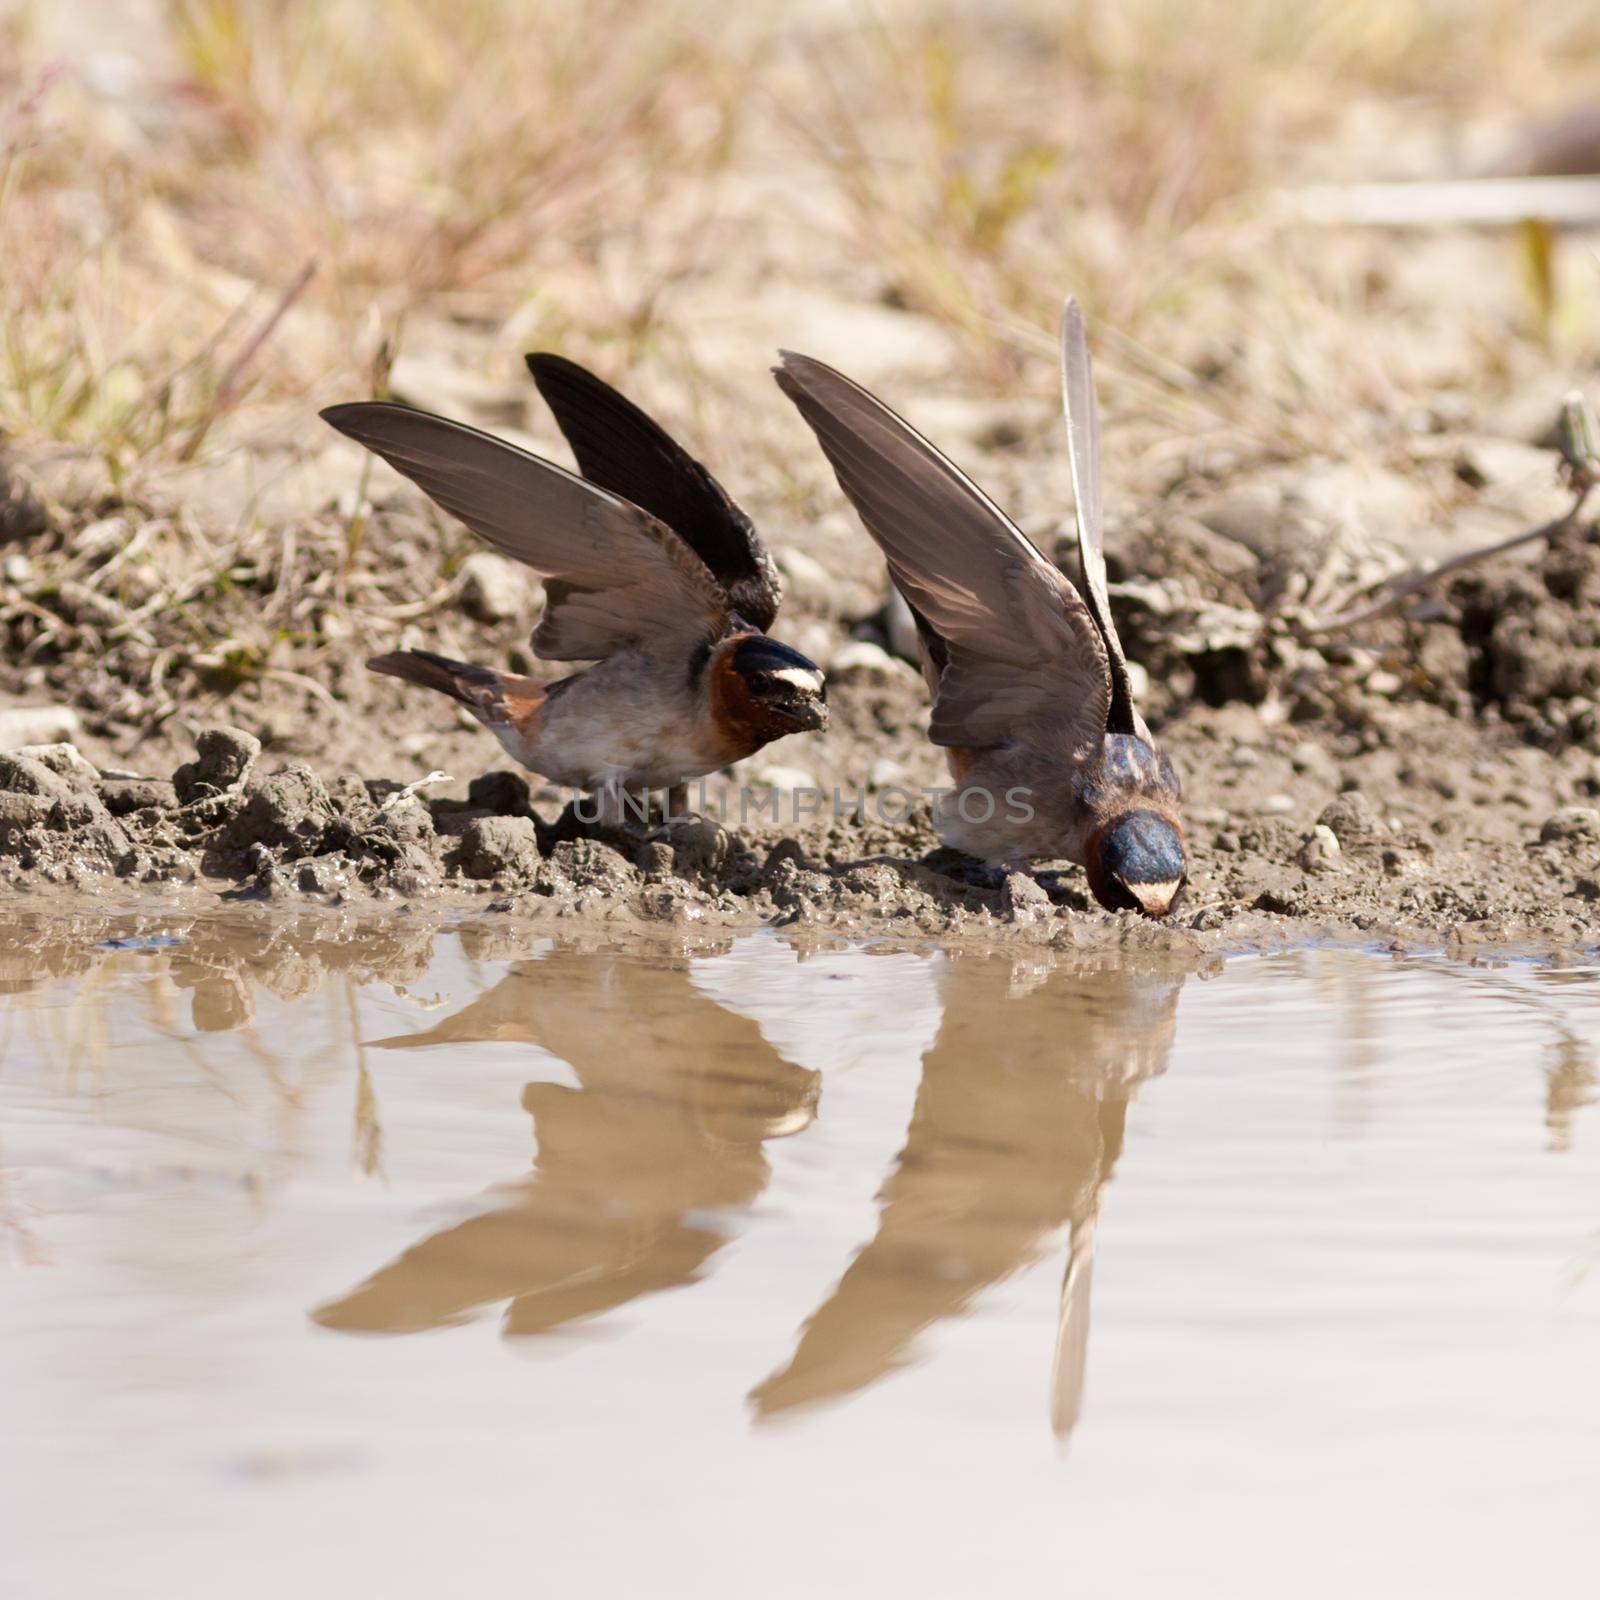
(786,779)
(1022,899)
(1570,823)
(1321,851)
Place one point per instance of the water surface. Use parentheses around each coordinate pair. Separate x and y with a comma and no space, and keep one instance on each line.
(418,1265)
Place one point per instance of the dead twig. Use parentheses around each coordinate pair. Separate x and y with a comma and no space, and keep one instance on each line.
(1449,203)
(1402,589)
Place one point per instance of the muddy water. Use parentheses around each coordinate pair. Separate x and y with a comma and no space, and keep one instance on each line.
(408,1265)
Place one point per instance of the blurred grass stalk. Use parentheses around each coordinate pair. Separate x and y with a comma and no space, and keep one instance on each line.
(415,149)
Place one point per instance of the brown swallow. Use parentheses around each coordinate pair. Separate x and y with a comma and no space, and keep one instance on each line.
(1031,693)
(650,571)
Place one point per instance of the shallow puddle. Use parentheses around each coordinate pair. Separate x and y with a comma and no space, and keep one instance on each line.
(419,1265)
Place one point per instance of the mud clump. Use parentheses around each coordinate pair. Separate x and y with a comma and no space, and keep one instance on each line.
(500,847)
(21,814)
(26,774)
(1572,825)
(593,866)
(126,797)
(289,813)
(224,759)
(52,822)
(1530,642)
(501,794)
(699,845)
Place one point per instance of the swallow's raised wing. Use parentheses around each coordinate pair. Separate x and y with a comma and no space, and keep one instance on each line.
(622,449)
(615,575)
(1025,657)
(1083,448)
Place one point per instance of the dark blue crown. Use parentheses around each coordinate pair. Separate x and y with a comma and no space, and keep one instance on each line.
(1142,847)
(761,654)
(761,658)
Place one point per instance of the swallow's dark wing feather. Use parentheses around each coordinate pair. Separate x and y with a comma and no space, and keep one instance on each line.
(622,449)
(1083,448)
(615,575)
(1025,659)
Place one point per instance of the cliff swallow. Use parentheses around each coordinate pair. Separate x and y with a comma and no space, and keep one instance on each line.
(1031,695)
(650,571)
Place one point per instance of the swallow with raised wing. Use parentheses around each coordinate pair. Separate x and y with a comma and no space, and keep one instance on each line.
(1031,693)
(650,571)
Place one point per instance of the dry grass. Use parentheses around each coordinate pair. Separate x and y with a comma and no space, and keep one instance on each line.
(417,153)
(1130,153)
(254,214)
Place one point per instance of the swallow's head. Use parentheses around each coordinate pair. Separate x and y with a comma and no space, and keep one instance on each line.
(1137,862)
(765,690)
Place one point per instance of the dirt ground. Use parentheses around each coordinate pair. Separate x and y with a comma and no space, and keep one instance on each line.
(1291,422)
(1404,795)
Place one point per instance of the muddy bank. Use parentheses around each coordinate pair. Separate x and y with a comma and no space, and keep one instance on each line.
(1398,819)
(1432,777)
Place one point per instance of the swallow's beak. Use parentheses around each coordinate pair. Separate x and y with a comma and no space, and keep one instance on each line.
(808,716)
(1154,899)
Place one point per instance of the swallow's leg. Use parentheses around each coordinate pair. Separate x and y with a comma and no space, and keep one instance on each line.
(618,810)
(608,804)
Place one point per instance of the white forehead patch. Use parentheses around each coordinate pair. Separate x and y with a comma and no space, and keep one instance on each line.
(800,677)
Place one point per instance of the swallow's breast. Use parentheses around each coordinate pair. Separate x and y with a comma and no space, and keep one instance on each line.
(632,718)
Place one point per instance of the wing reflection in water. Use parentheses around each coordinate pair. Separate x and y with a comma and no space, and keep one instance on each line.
(1017,1125)
(675,1098)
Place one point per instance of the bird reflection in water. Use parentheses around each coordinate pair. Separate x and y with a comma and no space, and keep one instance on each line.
(1018,1122)
(636,1166)
(1017,1125)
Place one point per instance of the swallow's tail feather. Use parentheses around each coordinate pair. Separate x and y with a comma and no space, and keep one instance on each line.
(459,679)
(483,691)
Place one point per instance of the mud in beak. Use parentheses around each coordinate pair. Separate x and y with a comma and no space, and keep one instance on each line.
(808,716)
